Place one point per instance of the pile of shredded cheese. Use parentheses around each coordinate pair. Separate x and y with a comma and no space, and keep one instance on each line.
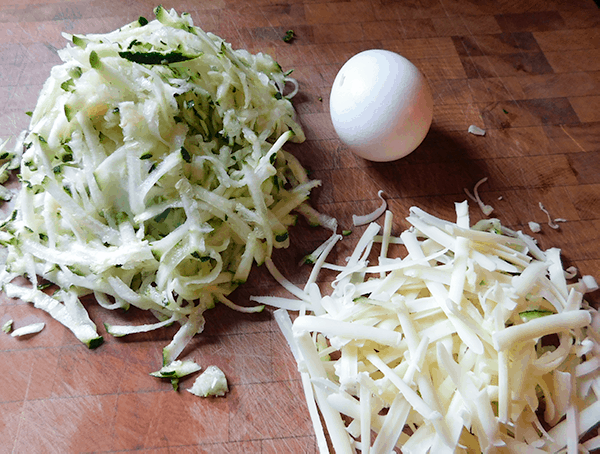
(474,341)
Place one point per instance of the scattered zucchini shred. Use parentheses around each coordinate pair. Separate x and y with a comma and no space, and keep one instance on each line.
(289,36)
(211,382)
(533,314)
(176,370)
(8,326)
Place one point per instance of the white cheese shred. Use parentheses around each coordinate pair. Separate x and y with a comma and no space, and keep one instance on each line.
(441,354)
(485,209)
(374,215)
(552,223)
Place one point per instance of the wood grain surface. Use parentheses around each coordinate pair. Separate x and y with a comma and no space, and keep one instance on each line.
(528,72)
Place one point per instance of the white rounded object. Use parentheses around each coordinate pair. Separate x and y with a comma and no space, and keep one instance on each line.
(381,105)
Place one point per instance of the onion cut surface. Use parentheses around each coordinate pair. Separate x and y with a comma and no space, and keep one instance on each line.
(445,349)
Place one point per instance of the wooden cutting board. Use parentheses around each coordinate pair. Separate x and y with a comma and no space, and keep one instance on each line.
(526,72)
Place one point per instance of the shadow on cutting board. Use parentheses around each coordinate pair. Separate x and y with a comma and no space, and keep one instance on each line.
(443,165)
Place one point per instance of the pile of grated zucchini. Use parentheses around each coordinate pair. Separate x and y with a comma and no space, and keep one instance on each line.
(152,175)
